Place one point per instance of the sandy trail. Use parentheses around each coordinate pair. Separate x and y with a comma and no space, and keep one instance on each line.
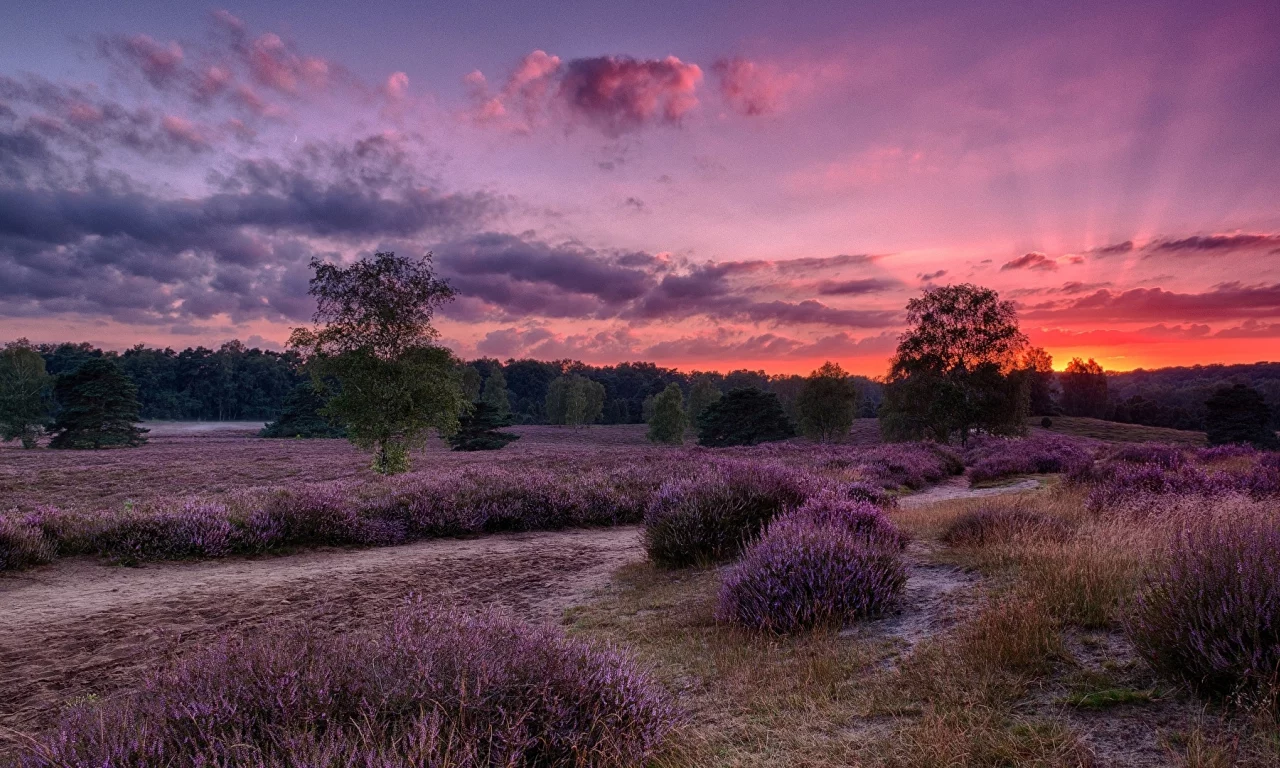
(80,627)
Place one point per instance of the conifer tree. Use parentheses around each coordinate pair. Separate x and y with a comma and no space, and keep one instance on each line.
(478,429)
(98,408)
(745,416)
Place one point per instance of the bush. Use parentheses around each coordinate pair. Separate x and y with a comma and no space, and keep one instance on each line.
(996,458)
(989,524)
(745,416)
(1046,422)
(1211,616)
(22,543)
(857,517)
(434,687)
(712,515)
(803,574)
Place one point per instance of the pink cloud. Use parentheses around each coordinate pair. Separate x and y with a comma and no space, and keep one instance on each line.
(184,132)
(275,65)
(1033,260)
(159,63)
(753,88)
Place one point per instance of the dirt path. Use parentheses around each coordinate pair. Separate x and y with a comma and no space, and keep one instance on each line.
(80,627)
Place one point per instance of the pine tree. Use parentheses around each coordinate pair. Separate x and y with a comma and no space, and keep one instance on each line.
(24,393)
(668,422)
(98,408)
(495,393)
(478,429)
(745,416)
(301,416)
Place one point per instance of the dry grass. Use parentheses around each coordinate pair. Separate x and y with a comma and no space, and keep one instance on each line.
(1115,432)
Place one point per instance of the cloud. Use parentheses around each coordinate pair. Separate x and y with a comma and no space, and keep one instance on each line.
(821,263)
(1226,301)
(925,277)
(856,287)
(1033,260)
(1113,250)
(614,94)
(1213,244)
(752,88)
(159,63)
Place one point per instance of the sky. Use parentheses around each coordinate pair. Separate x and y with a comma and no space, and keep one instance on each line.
(707,186)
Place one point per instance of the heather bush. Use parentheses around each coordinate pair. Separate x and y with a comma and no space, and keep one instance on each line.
(432,688)
(1210,616)
(712,515)
(22,543)
(1002,523)
(860,518)
(871,494)
(1158,454)
(804,573)
(995,458)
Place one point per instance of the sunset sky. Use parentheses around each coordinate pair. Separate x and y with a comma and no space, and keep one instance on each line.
(706,185)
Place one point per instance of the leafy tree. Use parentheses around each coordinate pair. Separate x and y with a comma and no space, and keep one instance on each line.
(668,423)
(1041,382)
(471,381)
(827,404)
(478,429)
(1084,389)
(954,368)
(495,393)
(302,416)
(574,400)
(98,407)
(745,416)
(1239,414)
(528,382)
(702,393)
(24,393)
(375,339)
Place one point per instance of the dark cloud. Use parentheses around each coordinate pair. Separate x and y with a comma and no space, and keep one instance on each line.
(1033,260)
(856,287)
(815,264)
(925,277)
(1227,301)
(1114,249)
(1213,244)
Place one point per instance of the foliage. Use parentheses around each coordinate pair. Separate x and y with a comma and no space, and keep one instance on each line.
(1042,383)
(478,429)
(702,392)
(1084,389)
(813,570)
(995,458)
(668,423)
(745,416)
(1211,616)
(1176,397)
(432,687)
(827,404)
(24,393)
(956,368)
(301,416)
(98,407)
(23,543)
(375,339)
(574,400)
(495,393)
(844,508)
(1239,414)
(710,516)
(471,383)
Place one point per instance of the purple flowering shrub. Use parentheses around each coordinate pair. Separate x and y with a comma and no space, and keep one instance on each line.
(23,543)
(833,508)
(815,568)
(712,515)
(434,687)
(1137,476)
(995,458)
(996,524)
(1210,617)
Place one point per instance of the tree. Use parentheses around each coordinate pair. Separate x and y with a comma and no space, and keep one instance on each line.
(471,382)
(704,392)
(495,393)
(1239,414)
(24,393)
(1084,389)
(302,416)
(574,400)
(954,368)
(745,416)
(1041,382)
(827,404)
(478,429)
(98,407)
(374,338)
(668,423)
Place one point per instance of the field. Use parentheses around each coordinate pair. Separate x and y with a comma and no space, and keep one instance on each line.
(1012,641)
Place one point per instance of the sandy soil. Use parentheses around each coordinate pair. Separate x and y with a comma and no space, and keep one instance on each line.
(79,627)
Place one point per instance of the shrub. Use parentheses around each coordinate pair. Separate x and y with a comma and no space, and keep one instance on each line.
(1211,616)
(803,574)
(1158,454)
(990,524)
(22,543)
(714,514)
(1046,422)
(871,494)
(859,518)
(434,687)
(996,458)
